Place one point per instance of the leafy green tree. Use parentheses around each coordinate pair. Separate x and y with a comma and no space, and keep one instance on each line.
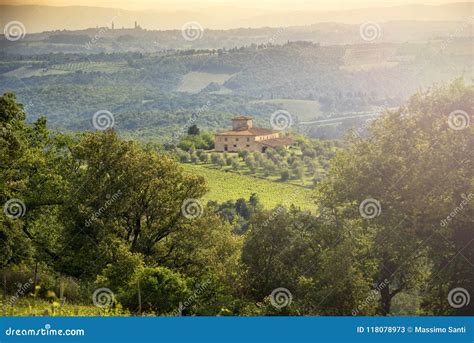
(215,158)
(207,253)
(204,158)
(193,130)
(394,170)
(235,165)
(294,250)
(124,191)
(284,175)
(31,185)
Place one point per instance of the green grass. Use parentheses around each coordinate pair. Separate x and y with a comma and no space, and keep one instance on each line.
(304,110)
(27,71)
(105,67)
(225,186)
(57,69)
(28,306)
(194,82)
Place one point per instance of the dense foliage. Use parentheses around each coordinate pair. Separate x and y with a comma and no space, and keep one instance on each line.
(90,212)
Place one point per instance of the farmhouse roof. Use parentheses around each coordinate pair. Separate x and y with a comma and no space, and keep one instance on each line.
(242,118)
(254,131)
(277,141)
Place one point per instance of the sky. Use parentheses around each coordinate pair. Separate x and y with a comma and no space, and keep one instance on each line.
(318,5)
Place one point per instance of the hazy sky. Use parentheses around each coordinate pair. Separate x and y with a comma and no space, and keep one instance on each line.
(264,4)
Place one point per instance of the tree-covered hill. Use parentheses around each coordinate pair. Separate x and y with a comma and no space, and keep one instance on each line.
(146,92)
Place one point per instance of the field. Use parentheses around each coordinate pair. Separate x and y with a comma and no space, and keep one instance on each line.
(231,186)
(33,69)
(369,66)
(194,82)
(30,71)
(304,110)
(29,306)
(104,67)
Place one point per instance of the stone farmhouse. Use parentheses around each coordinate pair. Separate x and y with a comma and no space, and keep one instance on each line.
(244,136)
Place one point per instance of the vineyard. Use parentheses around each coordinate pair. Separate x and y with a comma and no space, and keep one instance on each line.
(225,186)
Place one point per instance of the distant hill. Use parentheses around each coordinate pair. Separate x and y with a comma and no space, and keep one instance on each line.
(46,18)
(155,94)
(104,39)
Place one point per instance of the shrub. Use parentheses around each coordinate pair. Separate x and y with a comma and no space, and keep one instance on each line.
(285,175)
(204,158)
(161,290)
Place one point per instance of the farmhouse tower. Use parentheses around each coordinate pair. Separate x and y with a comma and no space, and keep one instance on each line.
(241,123)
